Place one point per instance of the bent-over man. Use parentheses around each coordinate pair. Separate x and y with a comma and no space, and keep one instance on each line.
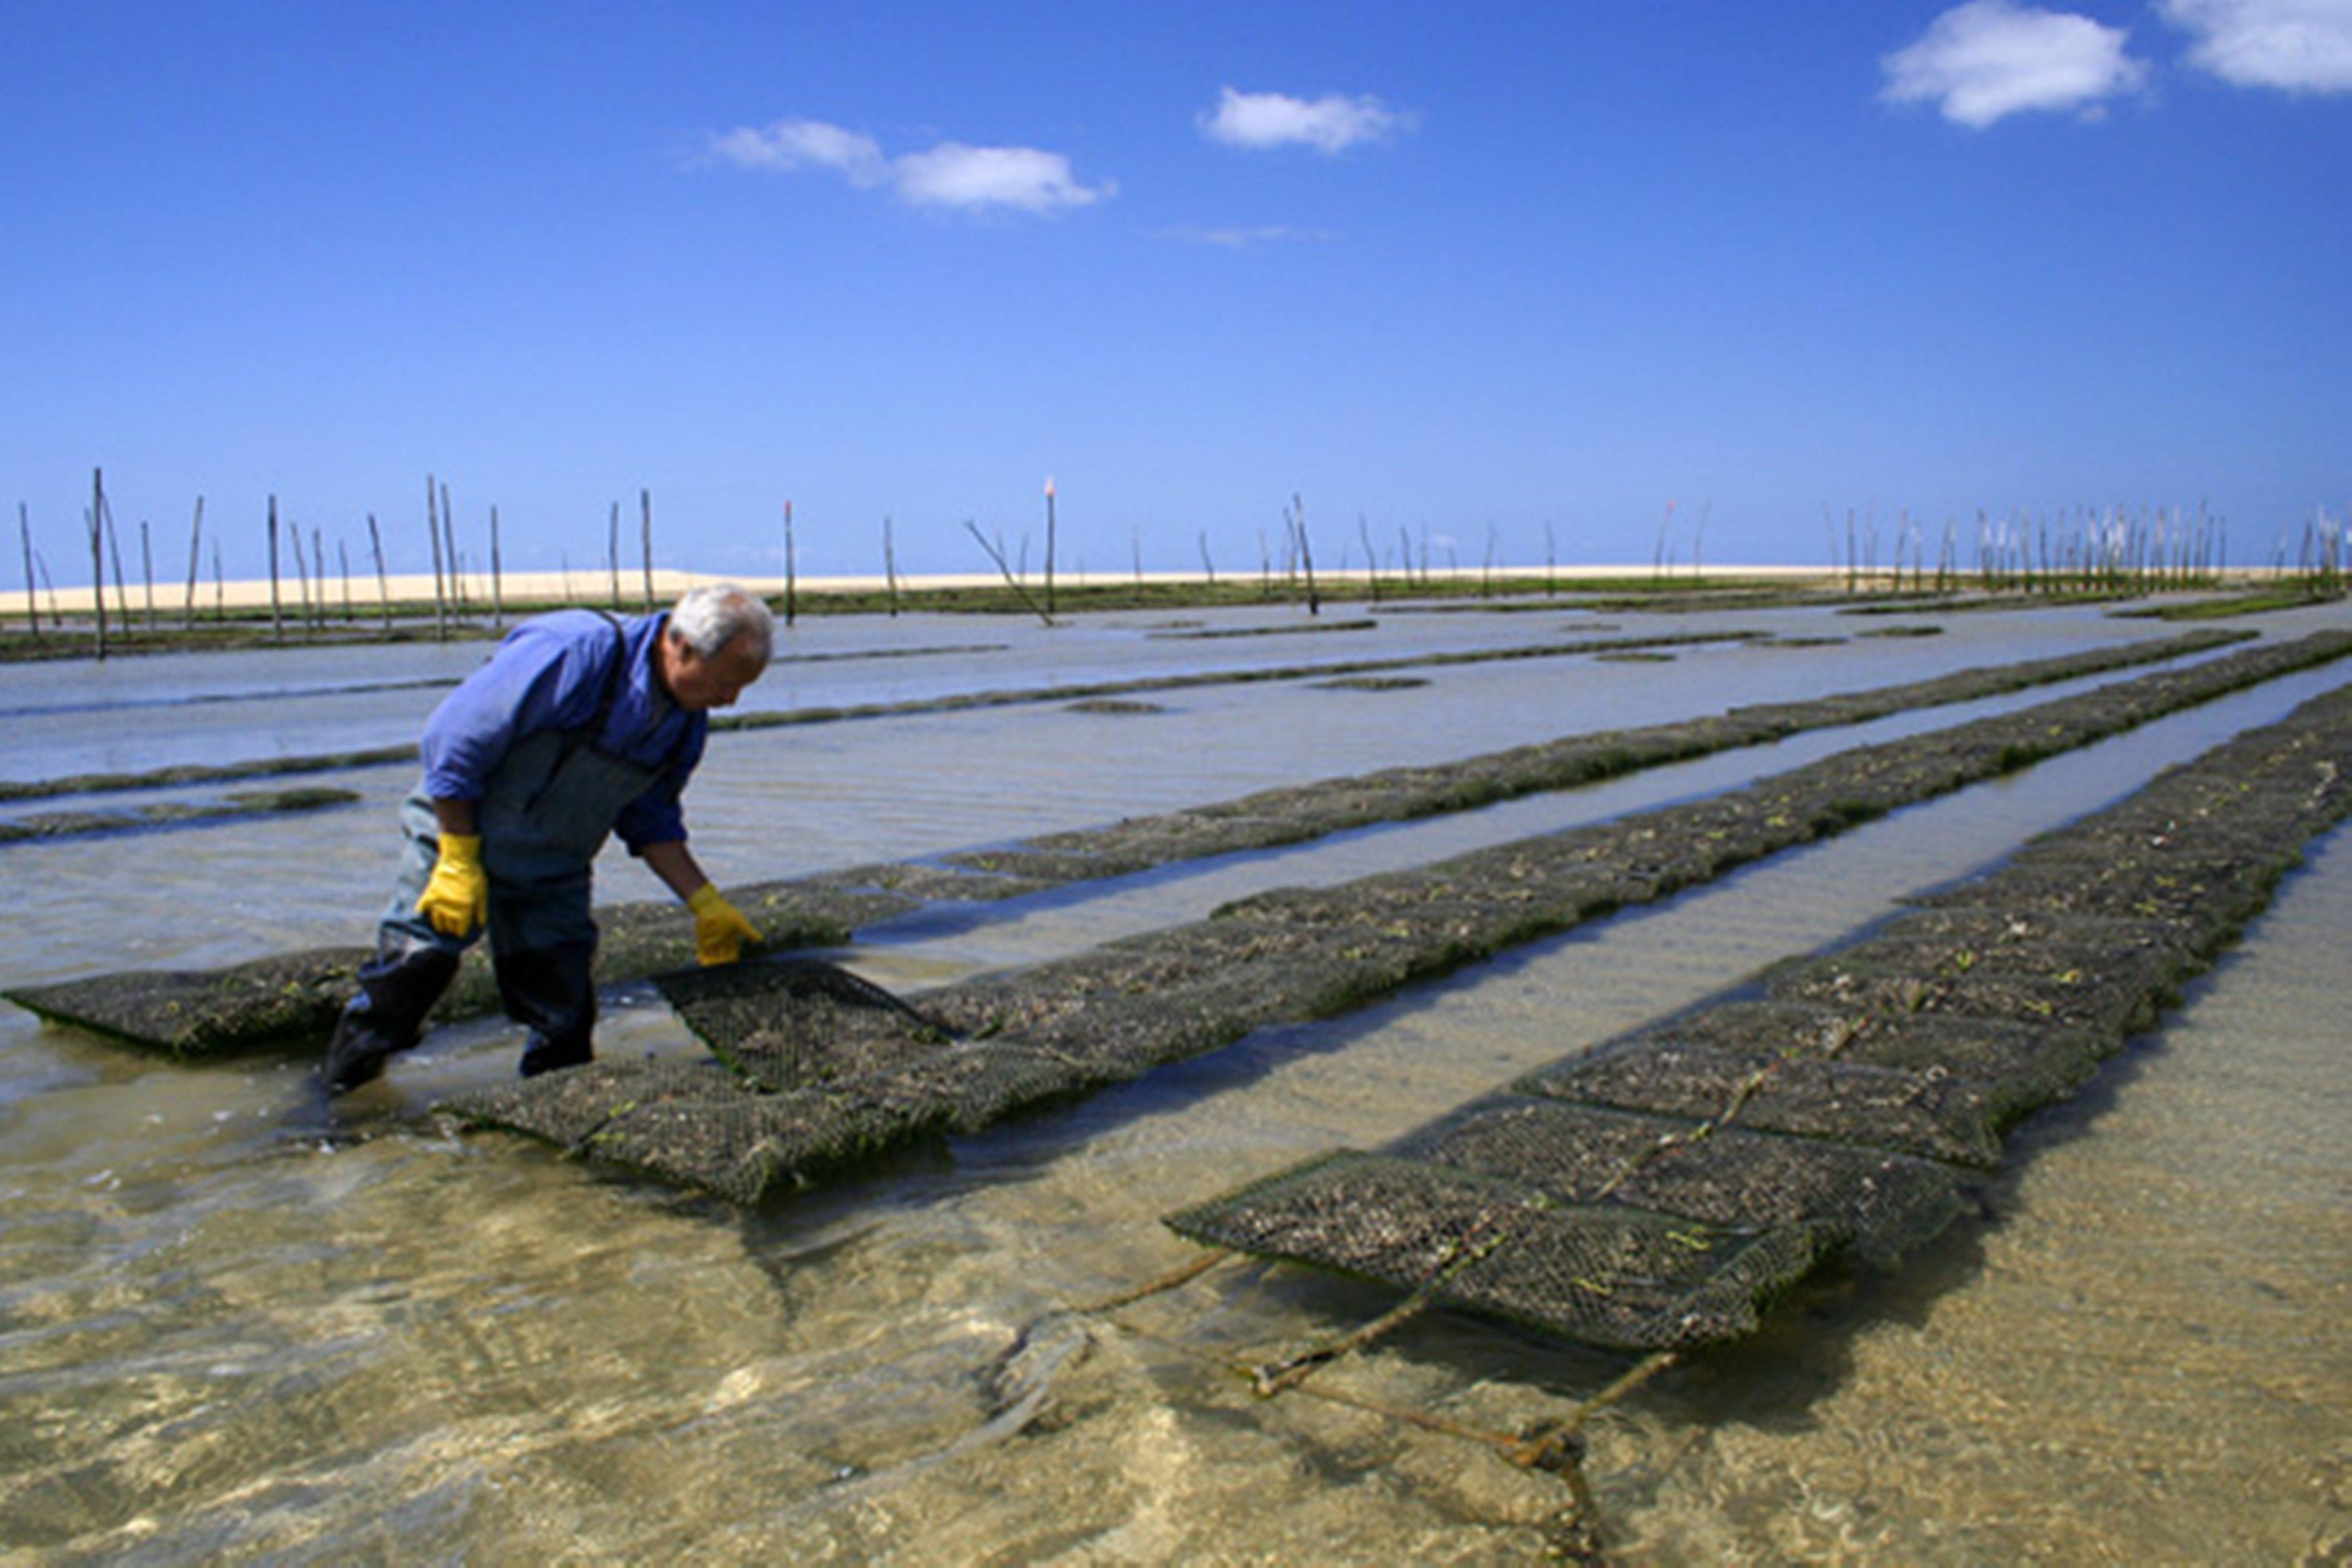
(579,726)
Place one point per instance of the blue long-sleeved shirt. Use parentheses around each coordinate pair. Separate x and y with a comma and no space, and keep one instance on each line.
(551,673)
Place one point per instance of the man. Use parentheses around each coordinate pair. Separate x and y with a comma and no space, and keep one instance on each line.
(580,725)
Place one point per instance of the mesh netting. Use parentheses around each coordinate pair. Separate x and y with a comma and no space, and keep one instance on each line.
(1738,1179)
(575,1109)
(1610,1275)
(1659,1189)
(187,1015)
(1920,1113)
(2103,976)
(2016,1068)
(196,1013)
(845,1070)
(698,1124)
(1047,867)
(2202,900)
(796,1023)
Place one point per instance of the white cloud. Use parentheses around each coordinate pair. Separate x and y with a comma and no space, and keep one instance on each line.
(1991,58)
(801,144)
(954,175)
(950,175)
(2302,46)
(1327,124)
(1242,239)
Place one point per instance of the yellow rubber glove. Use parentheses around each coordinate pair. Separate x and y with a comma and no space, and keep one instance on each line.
(720,929)
(457,900)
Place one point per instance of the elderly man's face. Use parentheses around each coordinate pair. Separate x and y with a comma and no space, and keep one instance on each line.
(697,684)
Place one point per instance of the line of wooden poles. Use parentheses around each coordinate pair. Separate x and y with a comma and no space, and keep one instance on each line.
(2109,553)
(311,611)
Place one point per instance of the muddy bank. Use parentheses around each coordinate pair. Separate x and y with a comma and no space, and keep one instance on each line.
(294,997)
(794,1095)
(231,807)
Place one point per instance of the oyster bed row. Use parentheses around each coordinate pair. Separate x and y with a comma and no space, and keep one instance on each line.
(292,999)
(1662,1189)
(812,1073)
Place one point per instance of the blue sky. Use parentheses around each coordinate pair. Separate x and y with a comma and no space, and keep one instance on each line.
(1467,271)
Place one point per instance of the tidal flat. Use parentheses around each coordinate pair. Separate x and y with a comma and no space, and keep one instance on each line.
(235,1328)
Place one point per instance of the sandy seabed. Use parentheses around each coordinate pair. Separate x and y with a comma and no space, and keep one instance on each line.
(237,1332)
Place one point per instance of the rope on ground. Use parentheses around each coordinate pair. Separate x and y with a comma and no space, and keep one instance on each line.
(1555,1447)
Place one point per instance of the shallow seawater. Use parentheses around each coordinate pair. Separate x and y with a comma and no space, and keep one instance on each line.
(232,1328)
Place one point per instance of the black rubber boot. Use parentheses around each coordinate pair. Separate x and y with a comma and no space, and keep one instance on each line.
(397,988)
(552,991)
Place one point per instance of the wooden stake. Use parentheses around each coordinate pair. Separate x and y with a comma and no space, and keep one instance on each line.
(382,585)
(450,538)
(996,553)
(1049,545)
(302,578)
(791,608)
(32,604)
(1307,557)
(497,591)
(646,542)
(195,559)
(122,592)
(49,583)
(276,623)
(98,555)
(432,531)
(613,549)
(890,568)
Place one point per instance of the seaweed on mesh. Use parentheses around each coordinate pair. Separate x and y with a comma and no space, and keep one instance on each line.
(1390,1220)
(2015,1068)
(567,1108)
(715,1140)
(1047,867)
(289,997)
(1609,1276)
(2108,1002)
(1930,1114)
(696,1123)
(2202,900)
(1872,1201)
(1928,1037)
(1117,1011)
(1410,924)
(2143,955)
(822,911)
(1634,1280)
(901,888)
(975,1084)
(794,1023)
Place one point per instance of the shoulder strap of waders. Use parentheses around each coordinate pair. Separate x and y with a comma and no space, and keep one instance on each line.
(592,734)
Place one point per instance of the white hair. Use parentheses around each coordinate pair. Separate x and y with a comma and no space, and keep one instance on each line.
(709,617)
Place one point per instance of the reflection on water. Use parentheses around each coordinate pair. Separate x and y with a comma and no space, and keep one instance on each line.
(229,1328)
